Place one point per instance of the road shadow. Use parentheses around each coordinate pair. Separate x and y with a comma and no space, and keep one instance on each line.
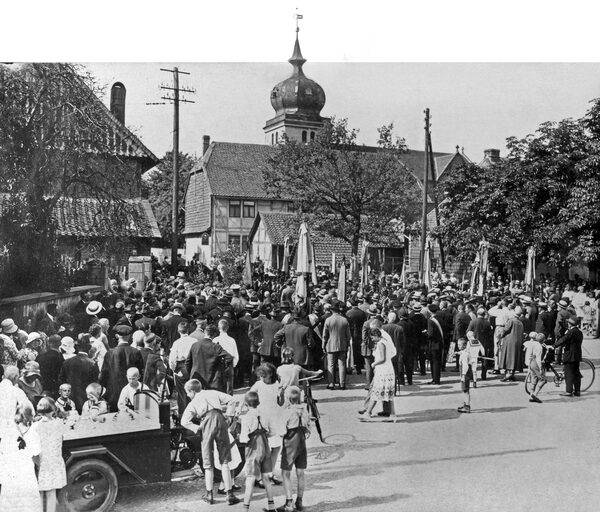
(417,416)
(497,409)
(357,501)
(320,479)
(341,399)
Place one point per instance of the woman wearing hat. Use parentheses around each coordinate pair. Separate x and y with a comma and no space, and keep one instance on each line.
(30,382)
(31,350)
(11,329)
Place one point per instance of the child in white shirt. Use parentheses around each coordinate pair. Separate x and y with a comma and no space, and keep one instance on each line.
(534,351)
(466,374)
(475,350)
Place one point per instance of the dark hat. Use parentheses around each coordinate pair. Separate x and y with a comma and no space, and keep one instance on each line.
(434,308)
(336,306)
(574,320)
(123,330)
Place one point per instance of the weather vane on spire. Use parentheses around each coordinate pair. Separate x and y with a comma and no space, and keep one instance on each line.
(298,17)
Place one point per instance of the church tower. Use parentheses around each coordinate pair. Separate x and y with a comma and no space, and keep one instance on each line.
(297,102)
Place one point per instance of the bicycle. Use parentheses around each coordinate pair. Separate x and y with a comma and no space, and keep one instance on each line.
(586,369)
(311,403)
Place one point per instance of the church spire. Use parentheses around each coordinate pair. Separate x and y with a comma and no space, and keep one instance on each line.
(297,60)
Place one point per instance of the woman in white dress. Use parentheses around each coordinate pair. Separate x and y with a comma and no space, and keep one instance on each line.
(383,385)
(20,444)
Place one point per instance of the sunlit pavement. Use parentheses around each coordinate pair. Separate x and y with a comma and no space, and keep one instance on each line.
(507,455)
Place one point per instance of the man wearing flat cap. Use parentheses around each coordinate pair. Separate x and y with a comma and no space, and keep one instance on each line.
(116,363)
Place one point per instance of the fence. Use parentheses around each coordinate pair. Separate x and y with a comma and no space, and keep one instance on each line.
(25,308)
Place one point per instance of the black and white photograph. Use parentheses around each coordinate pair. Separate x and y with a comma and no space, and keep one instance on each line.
(299,256)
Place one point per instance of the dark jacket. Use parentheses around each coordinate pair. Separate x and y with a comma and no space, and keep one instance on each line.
(50,363)
(264,334)
(397,334)
(298,337)
(482,329)
(79,371)
(356,317)
(419,324)
(207,362)
(114,370)
(461,324)
(571,342)
(434,336)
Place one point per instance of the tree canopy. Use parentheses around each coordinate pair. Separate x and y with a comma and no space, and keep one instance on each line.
(157,186)
(355,191)
(545,193)
(57,141)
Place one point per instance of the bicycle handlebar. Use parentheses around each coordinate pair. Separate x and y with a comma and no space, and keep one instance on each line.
(316,377)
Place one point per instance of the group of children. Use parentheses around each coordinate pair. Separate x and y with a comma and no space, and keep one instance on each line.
(272,420)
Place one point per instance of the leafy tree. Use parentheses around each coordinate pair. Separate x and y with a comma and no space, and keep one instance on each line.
(355,191)
(157,187)
(230,264)
(545,193)
(57,143)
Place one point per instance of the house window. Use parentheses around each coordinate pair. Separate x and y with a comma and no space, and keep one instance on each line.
(205,238)
(244,242)
(304,138)
(249,209)
(312,135)
(234,241)
(276,137)
(272,139)
(235,208)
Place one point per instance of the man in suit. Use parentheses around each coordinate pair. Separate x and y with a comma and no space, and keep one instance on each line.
(571,357)
(419,329)
(49,323)
(263,335)
(297,336)
(51,363)
(116,363)
(336,341)
(170,326)
(446,319)
(79,371)
(155,369)
(397,334)
(207,361)
(356,318)
(482,329)
(435,337)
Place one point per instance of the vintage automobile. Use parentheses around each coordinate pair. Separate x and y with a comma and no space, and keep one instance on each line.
(118,449)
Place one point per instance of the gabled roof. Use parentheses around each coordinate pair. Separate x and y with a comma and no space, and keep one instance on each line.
(236,169)
(280,225)
(80,218)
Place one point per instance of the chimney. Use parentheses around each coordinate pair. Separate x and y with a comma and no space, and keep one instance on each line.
(117,101)
(205,144)
(493,155)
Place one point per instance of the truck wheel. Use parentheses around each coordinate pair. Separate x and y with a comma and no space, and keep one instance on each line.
(91,486)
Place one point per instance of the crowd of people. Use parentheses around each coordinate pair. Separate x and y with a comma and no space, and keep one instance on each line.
(195,341)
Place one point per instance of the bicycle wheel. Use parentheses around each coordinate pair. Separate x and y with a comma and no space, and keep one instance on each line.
(528,383)
(588,374)
(314,412)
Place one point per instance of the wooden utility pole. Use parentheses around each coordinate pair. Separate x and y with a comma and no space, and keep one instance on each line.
(175,98)
(425,187)
(435,201)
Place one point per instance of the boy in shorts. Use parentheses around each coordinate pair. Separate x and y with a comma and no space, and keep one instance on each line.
(534,351)
(204,414)
(254,434)
(466,374)
(293,453)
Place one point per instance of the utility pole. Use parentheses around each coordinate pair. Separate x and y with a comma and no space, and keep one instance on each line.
(435,200)
(175,99)
(425,187)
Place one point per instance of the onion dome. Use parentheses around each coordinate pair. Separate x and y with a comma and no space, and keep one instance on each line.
(298,94)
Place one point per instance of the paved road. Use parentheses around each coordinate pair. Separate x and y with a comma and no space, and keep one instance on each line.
(507,455)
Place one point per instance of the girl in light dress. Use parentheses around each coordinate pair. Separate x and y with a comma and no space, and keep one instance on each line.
(52,475)
(19,447)
(94,406)
(270,395)
(383,385)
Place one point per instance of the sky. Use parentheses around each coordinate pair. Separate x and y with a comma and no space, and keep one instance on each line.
(487,70)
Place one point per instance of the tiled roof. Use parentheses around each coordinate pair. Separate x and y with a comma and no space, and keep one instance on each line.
(82,218)
(279,225)
(235,169)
